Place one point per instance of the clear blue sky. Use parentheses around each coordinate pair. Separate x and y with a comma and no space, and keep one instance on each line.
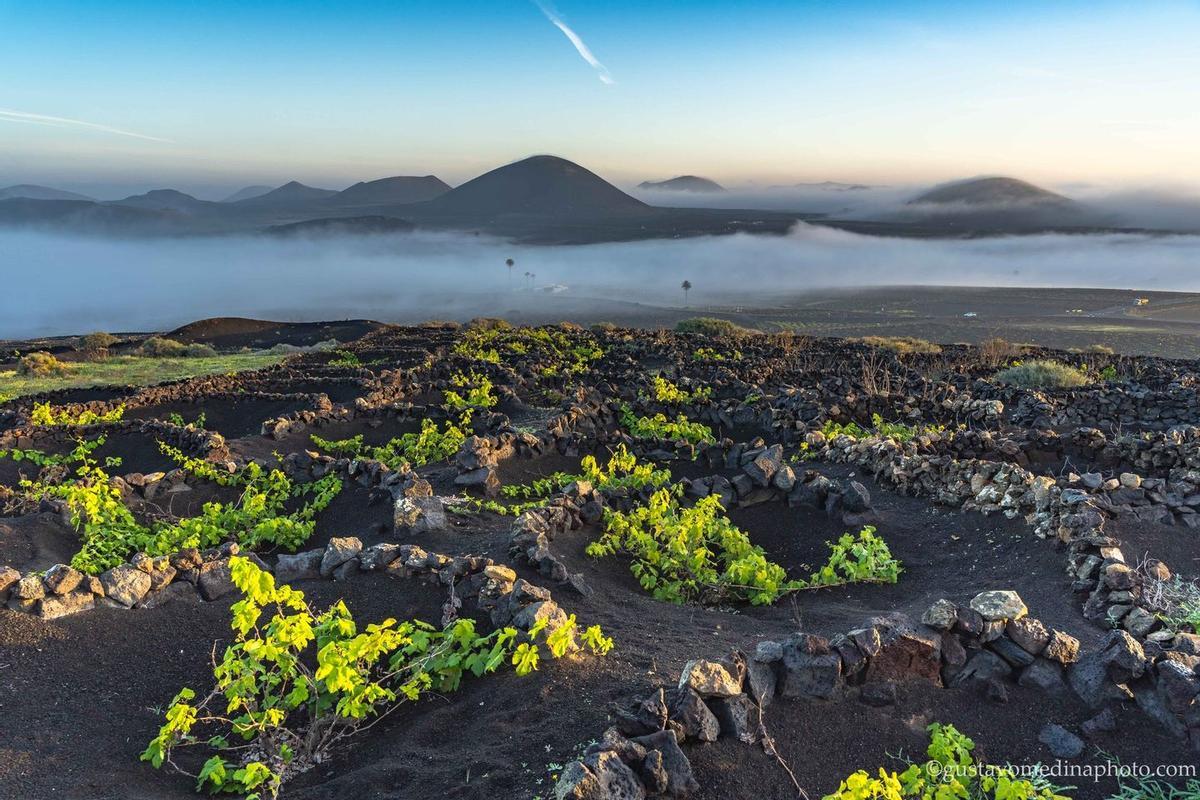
(329,93)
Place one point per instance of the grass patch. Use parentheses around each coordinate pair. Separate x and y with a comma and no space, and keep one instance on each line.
(1039,374)
(903,345)
(131,371)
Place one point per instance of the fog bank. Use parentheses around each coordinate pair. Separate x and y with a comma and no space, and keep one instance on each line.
(63,285)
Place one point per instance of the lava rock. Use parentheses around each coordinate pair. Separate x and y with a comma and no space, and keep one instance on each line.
(1062,743)
(999,605)
(710,679)
(339,550)
(125,585)
(299,567)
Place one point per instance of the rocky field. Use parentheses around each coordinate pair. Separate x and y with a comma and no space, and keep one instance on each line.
(606,564)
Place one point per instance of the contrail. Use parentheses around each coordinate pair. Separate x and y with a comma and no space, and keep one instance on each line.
(9,115)
(584,52)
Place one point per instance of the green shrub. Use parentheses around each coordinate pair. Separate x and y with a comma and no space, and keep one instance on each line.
(664,391)
(295,684)
(160,347)
(96,344)
(659,427)
(111,534)
(950,773)
(683,554)
(471,391)
(489,324)
(46,414)
(39,365)
(345,358)
(710,326)
(1043,374)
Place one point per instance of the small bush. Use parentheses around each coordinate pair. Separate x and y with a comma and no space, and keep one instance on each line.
(710,326)
(903,345)
(996,351)
(40,364)
(490,324)
(603,327)
(96,344)
(159,347)
(1043,375)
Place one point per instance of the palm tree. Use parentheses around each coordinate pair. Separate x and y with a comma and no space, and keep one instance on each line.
(508,262)
(527,274)
(686,285)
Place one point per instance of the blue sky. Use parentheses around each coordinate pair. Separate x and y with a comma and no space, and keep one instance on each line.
(221,94)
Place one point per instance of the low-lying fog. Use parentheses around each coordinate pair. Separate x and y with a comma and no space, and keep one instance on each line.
(62,285)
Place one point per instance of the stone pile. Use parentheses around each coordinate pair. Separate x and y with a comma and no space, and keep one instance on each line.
(988,645)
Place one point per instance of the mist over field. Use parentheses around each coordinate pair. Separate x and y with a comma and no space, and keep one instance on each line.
(65,284)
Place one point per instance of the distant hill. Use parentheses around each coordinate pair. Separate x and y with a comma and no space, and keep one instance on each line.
(341,226)
(247,193)
(830,186)
(544,186)
(990,192)
(290,195)
(166,200)
(31,192)
(684,183)
(392,191)
(85,215)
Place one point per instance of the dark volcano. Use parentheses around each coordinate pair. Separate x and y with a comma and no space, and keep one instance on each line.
(542,186)
(684,183)
(397,190)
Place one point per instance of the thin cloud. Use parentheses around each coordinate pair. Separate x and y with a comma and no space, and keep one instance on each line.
(9,115)
(584,51)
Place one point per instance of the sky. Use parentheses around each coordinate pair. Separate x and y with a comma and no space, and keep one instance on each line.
(120,96)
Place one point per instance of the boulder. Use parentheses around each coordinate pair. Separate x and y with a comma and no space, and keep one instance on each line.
(710,679)
(856,499)
(1062,743)
(1007,649)
(1029,634)
(738,716)
(941,615)
(760,682)
(680,780)
(614,742)
(982,667)
(689,717)
(419,514)
(999,605)
(1045,675)
(375,557)
(62,579)
(1101,675)
(906,653)
(62,605)
(1061,647)
(8,579)
(299,567)
(216,579)
(339,550)
(125,585)
(765,465)
(647,716)
(809,668)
